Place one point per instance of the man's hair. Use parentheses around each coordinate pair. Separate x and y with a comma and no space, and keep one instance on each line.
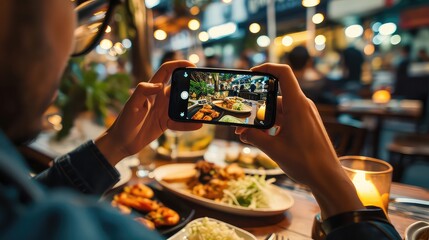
(298,57)
(22,47)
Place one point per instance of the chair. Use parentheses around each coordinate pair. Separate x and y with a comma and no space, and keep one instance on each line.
(347,140)
(407,149)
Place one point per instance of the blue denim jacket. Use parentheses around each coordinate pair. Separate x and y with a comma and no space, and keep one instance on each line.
(46,207)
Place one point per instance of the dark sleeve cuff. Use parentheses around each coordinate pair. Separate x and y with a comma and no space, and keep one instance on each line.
(371,222)
(87,170)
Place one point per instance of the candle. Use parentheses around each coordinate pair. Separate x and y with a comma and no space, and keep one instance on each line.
(261,113)
(381,96)
(367,191)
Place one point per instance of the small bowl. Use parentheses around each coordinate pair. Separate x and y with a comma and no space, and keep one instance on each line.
(410,232)
(421,234)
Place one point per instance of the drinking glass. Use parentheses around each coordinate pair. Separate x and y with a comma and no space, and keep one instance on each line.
(146,165)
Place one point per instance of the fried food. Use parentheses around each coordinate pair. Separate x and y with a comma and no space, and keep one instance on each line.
(122,208)
(213,179)
(214,114)
(146,222)
(137,197)
(206,113)
(207,118)
(136,202)
(198,116)
(140,190)
(164,216)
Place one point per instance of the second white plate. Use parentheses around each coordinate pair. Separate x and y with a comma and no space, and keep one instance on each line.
(182,234)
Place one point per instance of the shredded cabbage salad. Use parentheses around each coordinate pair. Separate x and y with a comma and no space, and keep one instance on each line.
(237,106)
(250,191)
(207,229)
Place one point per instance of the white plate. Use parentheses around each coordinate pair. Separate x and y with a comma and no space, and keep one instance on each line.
(181,154)
(218,149)
(280,198)
(412,230)
(246,108)
(124,170)
(181,235)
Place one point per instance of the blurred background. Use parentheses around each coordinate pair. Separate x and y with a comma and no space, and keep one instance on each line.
(364,63)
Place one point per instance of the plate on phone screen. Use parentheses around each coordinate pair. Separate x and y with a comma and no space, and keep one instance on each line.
(237,107)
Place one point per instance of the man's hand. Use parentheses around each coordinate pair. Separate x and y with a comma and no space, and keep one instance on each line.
(302,147)
(144,117)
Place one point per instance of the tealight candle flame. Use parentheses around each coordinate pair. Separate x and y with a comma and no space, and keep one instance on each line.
(367,191)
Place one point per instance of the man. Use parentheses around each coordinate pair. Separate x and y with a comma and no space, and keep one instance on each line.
(36,41)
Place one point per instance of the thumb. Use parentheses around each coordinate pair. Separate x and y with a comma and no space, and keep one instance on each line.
(255,137)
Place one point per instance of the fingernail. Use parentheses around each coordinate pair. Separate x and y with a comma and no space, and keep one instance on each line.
(274,131)
(236,131)
(157,84)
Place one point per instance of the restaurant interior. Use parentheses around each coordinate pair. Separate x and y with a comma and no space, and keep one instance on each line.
(364,64)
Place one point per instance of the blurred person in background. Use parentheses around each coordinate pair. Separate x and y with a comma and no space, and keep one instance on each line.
(312,82)
(213,61)
(402,76)
(352,60)
(243,62)
(171,56)
(422,56)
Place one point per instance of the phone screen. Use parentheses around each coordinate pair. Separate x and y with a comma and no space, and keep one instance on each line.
(221,96)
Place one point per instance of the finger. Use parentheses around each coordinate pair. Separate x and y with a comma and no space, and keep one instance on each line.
(258,138)
(289,86)
(163,74)
(181,126)
(239,130)
(136,107)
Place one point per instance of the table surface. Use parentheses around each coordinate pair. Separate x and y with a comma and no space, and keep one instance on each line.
(296,222)
(395,108)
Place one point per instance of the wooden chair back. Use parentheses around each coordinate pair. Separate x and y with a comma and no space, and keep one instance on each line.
(347,140)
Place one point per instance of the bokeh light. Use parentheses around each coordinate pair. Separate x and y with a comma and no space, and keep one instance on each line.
(254,28)
(160,34)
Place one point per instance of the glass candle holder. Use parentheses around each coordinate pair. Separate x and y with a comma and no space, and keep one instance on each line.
(371,177)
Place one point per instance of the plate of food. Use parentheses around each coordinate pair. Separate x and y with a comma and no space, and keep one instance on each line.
(251,159)
(230,119)
(166,152)
(189,144)
(225,189)
(152,207)
(233,105)
(205,228)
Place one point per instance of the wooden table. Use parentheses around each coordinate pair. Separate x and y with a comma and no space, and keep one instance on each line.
(295,223)
(402,109)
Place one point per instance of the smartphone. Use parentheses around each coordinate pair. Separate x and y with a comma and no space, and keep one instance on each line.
(224,97)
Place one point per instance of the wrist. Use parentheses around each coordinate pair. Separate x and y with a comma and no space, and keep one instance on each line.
(109,149)
(335,193)
(322,228)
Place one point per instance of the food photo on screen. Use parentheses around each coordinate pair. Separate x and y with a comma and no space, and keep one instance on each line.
(227,97)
